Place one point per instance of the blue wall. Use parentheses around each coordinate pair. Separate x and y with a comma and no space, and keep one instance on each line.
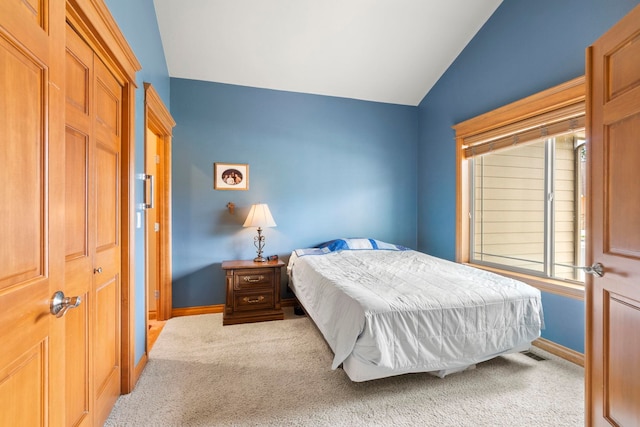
(137,21)
(327,167)
(525,47)
(564,321)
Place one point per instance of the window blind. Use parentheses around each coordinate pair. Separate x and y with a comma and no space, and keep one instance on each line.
(546,125)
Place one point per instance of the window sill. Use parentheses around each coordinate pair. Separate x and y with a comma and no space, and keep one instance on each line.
(558,287)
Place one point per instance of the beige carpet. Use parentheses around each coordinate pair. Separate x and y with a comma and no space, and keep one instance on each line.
(278,374)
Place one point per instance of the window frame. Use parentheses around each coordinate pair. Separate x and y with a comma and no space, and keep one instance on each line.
(571,94)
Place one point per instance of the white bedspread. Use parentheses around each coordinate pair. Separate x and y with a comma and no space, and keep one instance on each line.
(408,311)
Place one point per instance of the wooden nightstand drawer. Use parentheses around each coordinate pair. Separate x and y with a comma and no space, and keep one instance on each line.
(252,301)
(253,291)
(252,279)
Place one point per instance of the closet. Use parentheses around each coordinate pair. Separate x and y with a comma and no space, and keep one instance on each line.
(66,163)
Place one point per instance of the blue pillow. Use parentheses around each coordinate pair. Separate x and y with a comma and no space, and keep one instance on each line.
(342,244)
(349,244)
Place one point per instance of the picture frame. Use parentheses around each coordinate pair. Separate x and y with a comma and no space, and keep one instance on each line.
(230,176)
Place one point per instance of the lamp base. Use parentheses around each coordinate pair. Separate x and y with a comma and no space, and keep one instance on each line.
(259,242)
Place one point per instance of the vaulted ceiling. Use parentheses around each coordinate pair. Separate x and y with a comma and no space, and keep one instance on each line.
(390,51)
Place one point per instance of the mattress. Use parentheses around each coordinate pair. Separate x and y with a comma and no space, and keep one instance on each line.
(390,311)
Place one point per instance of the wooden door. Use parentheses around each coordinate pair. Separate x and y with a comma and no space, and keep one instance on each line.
(79,219)
(159,125)
(613,300)
(152,224)
(106,314)
(31,212)
(92,234)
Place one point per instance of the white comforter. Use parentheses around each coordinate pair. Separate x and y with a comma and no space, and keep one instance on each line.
(408,311)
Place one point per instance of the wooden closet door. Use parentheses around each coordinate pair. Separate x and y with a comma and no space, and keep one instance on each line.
(93,117)
(106,314)
(31,212)
(80,219)
(613,300)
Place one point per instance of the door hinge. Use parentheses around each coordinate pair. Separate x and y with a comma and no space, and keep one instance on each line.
(157,159)
(156,227)
(156,294)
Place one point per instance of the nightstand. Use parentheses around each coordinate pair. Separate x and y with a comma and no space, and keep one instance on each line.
(253,291)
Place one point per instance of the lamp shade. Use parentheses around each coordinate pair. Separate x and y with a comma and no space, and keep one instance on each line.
(259,216)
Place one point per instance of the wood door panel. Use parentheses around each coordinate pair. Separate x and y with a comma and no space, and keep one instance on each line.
(23,367)
(77,74)
(107,108)
(77,375)
(107,350)
(106,327)
(622,372)
(78,83)
(623,67)
(32,12)
(36,7)
(23,389)
(107,193)
(76,194)
(622,200)
(33,324)
(22,229)
(108,101)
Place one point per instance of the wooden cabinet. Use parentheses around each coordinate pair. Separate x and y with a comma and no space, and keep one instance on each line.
(253,291)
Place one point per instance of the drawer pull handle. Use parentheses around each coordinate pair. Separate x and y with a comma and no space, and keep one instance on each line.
(253,300)
(253,279)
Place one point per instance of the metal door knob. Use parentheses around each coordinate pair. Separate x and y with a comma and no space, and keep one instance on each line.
(61,304)
(596,269)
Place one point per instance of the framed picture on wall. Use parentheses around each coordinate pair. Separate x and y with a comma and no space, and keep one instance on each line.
(230,176)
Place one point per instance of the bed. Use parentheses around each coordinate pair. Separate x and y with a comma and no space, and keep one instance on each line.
(387,310)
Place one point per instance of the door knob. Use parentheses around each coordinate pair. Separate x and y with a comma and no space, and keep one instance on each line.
(97,270)
(596,269)
(61,304)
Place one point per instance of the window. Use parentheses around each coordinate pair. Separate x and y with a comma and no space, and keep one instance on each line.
(521,186)
(526,207)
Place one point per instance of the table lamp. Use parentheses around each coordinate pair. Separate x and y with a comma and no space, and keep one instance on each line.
(259,216)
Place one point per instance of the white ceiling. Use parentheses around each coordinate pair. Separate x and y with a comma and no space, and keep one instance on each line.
(389,51)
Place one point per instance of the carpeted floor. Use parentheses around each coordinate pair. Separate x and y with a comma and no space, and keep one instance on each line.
(278,374)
